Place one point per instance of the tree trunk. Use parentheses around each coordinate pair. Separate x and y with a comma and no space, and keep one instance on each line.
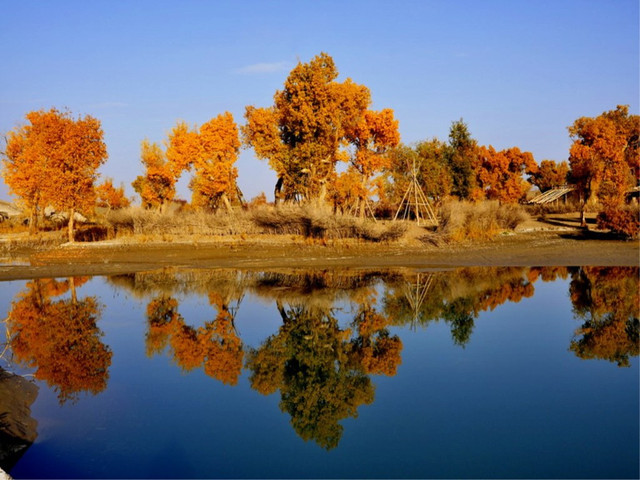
(226,202)
(33,220)
(72,214)
(277,191)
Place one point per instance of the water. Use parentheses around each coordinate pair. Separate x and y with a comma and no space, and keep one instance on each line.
(469,373)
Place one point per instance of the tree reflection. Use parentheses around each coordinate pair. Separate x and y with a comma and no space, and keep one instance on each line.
(321,369)
(456,297)
(60,338)
(215,346)
(606,299)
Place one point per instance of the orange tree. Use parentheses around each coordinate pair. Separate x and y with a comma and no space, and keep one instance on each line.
(157,186)
(30,159)
(373,136)
(211,151)
(111,197)
(499,175)
(550,175)
(604,164)
(302,133)
(53,160)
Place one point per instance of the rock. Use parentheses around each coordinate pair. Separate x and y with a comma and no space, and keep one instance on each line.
(17,428)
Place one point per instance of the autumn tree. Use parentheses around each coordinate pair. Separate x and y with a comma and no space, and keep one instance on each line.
(30,159)
(53,160)
(211,151)
(499,175)
(346,190)
(60,338)
(604,161)
(373,136)
(301,134)
(216,174)
(550,175)
(157,186)
(110,197)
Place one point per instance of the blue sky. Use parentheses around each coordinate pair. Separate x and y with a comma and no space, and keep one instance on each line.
(517,72)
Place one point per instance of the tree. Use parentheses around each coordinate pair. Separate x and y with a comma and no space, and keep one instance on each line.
(211,151)
(54,161)
(462,158)
(430,158)
(157,186)
(30,159)
(110,197)
(499,175)
(215,179)
(603,159)
(550,175)
(373,136)
(83,151)
(301,134)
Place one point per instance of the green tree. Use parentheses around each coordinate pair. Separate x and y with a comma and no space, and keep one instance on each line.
(462,158)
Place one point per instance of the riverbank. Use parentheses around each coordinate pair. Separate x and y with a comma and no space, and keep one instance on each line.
(558,246)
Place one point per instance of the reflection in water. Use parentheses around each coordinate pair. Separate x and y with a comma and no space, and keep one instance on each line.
(606,300)
(457,297)
(321,369)
(60,338)
(320,366)
(215,346)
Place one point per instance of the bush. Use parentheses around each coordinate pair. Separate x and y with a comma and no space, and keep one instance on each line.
(462,220)
(622,220)
(319,222)
(139,221)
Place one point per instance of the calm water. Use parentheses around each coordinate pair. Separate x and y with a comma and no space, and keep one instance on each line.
(495,372)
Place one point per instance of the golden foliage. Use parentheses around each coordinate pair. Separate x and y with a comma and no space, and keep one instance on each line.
(60,339)
(53,160)
(499,174)
(110,197)
(303,133)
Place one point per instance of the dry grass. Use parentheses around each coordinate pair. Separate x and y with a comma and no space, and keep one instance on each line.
(138,221)
(320,222)
(461,220)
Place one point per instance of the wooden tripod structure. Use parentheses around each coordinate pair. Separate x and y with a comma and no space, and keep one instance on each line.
(416,294)
(416,202)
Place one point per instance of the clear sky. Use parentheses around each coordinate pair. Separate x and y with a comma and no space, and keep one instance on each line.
(517,71)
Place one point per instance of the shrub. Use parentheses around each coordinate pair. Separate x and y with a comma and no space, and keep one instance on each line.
(462,220)
(319,222)
(622,220)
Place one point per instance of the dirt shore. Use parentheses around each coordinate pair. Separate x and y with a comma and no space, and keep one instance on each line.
(531,246)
